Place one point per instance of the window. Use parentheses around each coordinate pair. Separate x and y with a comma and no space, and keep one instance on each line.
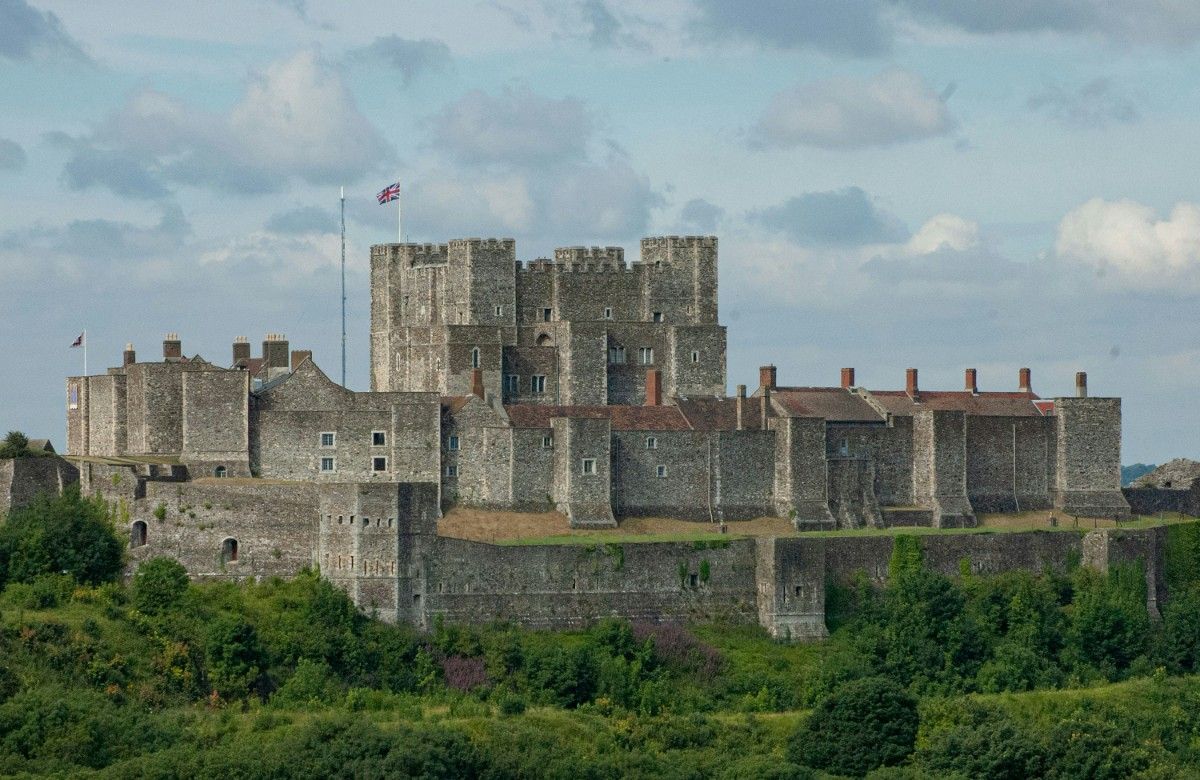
(512,384)
(651,442)
(608,312)
(499,311)
(452,471)
(137,534)
(220,472)
(589,466)
(328,439)
(229,551)
(616,356)
(327,464)
(452,443)
(843,447)
(547,442)
(661,471)
(546,314)
(475,358)
(378,438)
(694,580)
(646,355)
(537,384)
(695,356)
(378,464)
(73,397)
(657,316)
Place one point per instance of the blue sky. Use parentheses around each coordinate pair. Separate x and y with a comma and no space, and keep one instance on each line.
(895,182)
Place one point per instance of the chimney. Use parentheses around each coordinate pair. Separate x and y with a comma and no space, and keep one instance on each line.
(969,382)
(172,347)
(910,384)
(1081,384)
(275,351)
(741,407)
(766,377)
(764,403)
(653,387)
(128,357)
(1026,385)
(477,382)
(847,378)
(241,350)
(299,356)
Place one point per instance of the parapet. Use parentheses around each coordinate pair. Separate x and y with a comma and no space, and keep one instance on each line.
(411,254)
(613,256)
(658,242)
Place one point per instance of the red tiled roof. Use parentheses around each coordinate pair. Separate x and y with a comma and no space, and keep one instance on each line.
(624,418)
(719,414)
(835,404)
(1016,404)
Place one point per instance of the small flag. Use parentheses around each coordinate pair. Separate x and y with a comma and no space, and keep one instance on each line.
(77,342)
(389,193)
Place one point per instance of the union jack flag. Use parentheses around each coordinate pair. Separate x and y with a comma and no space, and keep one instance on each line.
(389,193)
(78,342)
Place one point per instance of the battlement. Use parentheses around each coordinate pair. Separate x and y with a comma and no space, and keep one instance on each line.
(505,244)
(662,242)
(602,255)
(412,254)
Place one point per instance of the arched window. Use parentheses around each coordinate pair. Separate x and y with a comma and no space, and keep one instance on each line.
(229,551)
(475,357)
(220,471)
(544,340)
(137,534)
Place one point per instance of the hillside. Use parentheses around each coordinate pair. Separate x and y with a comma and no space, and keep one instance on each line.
(1177,473)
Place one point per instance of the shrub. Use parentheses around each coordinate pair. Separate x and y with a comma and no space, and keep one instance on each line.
(977,741)
(65,534)
(464,674)
(235,658)
(159,585)
(862,725)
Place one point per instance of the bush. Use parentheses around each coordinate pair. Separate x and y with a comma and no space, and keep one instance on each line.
(979,742)
(15,445)
(862,725)
(235,658)
(65,534)
(159,585)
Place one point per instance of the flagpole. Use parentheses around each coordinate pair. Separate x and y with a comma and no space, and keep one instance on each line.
(85,352)
(343,198)
(399,213)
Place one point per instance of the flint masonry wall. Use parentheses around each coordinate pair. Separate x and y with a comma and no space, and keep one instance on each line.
(939,467)
(23,479)
(800,477)
(1010,463)
(567,586)
(216,421)
(1088,457)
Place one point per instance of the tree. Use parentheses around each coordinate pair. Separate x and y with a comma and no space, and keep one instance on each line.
(235,657)
(15,445)
(862,725)
(159,585)
(963,736)
(66,534)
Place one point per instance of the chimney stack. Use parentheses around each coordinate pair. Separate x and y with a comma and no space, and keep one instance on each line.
(275,351)
(766,377)
(847,378)
(128,357)
(1025,385)
(172,347)
(910,384)
(741,407)
(241,351)
(969,382)
(299,356)
(1081,384)
(653,387)
(477,382)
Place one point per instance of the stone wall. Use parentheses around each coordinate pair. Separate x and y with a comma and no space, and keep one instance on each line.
(1154,500)
(940,467)
(800,479)
(1010,463)
(663,473)
(24,479)
(585,498)
(1088,457)
(216,421)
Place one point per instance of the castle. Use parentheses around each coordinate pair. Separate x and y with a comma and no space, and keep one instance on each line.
(581,384)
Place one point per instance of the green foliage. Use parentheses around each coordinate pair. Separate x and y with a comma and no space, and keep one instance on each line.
(862,725)
(617,553)
(16,445)
(65,534)
(978,741)
(160,512)
(705,570)
(1181,566)
(159,585)
(907,556)
(234,656)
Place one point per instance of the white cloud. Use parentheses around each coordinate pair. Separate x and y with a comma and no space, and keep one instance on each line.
(1128,245)
(296,119)
(944,231)
(851,113)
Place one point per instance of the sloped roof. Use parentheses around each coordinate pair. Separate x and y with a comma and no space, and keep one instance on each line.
(835,404)
(1016,404)
(455,403)
(41,445)
(624,418)
(718,414)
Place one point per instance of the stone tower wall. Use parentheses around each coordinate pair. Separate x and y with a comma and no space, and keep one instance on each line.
(1088,457)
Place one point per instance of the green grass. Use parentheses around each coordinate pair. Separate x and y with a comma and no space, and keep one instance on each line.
(618,538)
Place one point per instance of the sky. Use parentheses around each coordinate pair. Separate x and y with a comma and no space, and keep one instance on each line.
(895,183)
